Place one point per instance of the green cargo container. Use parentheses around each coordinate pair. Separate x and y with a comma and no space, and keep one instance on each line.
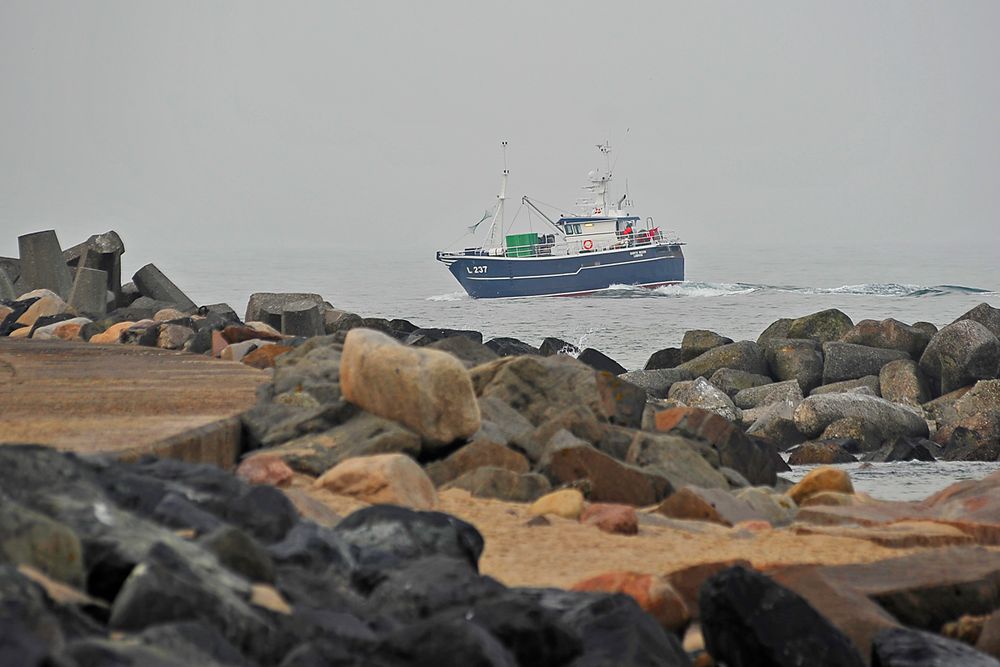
(521,245)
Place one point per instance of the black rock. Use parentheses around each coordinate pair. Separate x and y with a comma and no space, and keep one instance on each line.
(90,329)
(177,512)
(433,643)
(600,361)
(196,643)
(312,547)
(552,346)
(46,320)
(237,551)
(467,350)
(9,323)
(904,449)
(749,620)
(220,311)
(668,357)
(422,337)
(99,652)
(509,347)
(535,635)
(904,647)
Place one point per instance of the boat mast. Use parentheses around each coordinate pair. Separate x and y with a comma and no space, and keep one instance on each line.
(498,214)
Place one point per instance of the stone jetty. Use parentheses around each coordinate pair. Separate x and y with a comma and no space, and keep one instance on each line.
(399,494)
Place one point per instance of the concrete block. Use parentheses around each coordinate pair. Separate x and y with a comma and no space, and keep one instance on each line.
(100,251)
(6,287)
(268,306)
(152,283)
(42,263)
(223,310)
(90,291)
(302,318)
(12,267)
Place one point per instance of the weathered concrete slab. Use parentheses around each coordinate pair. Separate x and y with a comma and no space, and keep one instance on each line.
(123,400)
(90,291)
(154,284)
(42,263)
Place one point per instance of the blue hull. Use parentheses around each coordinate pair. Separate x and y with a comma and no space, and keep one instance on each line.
(493,277)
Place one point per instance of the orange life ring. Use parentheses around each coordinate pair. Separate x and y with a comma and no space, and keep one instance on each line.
(588,244)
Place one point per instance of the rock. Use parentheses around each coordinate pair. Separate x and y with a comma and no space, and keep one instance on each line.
(611,518)
(383,478)
(716,505)
(30,538)
(152,283)
(776,425)
(989,637)
(422,337)
(267,307)
(888,334)
(868,382)
(265,356)
(552,346)
(89,293)
(824,326)
(774,508)
(792,359)
(265,469)
(509,347)
(902,382)
(699,393)
(173,336)
(579,422)
(239,553)
(668,357)
(511,423)
(236,351)
(755,397)
(854,429)
(777,329)
(657,383)
(904,449)
(608,480)
(820,480)
(754,460)
(42,264)
(888,419)
(731,381)
(455,641)
(971,428)
(960,354)
(829,499)
(675,458)
(653,593)
(819,453)
(168,314)
(847,361)
(493,482)
(49,304)
(302,318)
(7,292)
(112,334)
(600,361)
(986,315)
(470,352)
(235,333)
(427,390)
(741,356)
(52,330)
(565,503)
(748,619)
(905,647)
(478,453)
(698,341)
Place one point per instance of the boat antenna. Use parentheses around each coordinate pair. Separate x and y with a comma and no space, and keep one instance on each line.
(498,214)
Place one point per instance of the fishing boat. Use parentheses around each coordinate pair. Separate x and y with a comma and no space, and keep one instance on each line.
(601,246)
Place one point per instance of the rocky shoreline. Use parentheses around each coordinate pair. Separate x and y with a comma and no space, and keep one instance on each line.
(162,562)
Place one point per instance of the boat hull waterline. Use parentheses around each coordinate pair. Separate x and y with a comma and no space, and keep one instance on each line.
(486,277)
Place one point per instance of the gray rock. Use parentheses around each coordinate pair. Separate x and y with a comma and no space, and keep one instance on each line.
(511,423)
(969,427)
(904,449)
(552,346)
(889,419)
(888,334)
(30,538)
(490,482)
(906,647)
(301,318)
(986,315)
(800,360)
(698,341)
(42,264)
(824,326)
(847,361)
(470,352)
(857,429)
(820,452)
(154,284)
(743,356)
(267,306)
(600,361)
(578,420)
(777,508)
(777,329)
(7,292)
(102,252)
(675,458)
(755,397)
(509,347)
(927,327)
(902,382)
(657,382)
(669,357)
(12,267)
(421,337)
(699,393)
(960,354)
(776,425)
(89,293)
(732,381)
(239,553)
(481,452)
(869,382)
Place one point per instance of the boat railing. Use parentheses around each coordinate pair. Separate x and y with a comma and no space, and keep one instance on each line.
(595,242)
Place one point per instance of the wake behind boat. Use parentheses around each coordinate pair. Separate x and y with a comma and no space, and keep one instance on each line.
(604,245)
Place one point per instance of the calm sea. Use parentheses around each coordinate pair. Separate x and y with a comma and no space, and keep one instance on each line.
(735,290)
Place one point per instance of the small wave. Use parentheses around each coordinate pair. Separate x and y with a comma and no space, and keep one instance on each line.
(451,296)
(707,289)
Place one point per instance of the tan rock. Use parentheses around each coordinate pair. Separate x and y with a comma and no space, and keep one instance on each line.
(427,390)
(23,332)
(269,598)
(611,518)
(264,328)
(173,336)
(900,535)
(476,454)
(653,593)
(265,469)
(384,478)
(112,335)
(264,357)
(49,330)
(68,331)
(36,294)
(821,479)
(834,498)
(566,503)
(167,314)
(4,312)
(713,505)
(47,305)
(989,636)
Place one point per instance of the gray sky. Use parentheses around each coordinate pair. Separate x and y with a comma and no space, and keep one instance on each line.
(218,123)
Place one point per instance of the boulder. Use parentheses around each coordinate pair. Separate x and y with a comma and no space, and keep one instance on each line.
(960,354)
(552,346)
(265,356)
(578,422)
(512,424)
(889,334)
(501,483)
(904,449)
(600,361)
(509,347)
(747,619)
(423,337)
(46,305)
(742,356)
(824,326)
(716,505)
(847,361)
(769,505)
(469,352)
(699,393)
(800,360)
(384,478)
(901,381)
(611,518)
(986,315)
(28,538)
(653,593)
(657,383)
(571,461)
(776,425)
(239,553)
(865,436)
(732,381)
(427,390)
(668,357)
(776,329)
(565,503)
(697,342)
(820,452)
(889,419)
(970,428)
(868,385)
(267,307)
(989,637)
(755,397)
(112,334)
(478,453)
(674,457)
(265,469)
(173,336)
(906,647)
(820,480)
(49,331)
